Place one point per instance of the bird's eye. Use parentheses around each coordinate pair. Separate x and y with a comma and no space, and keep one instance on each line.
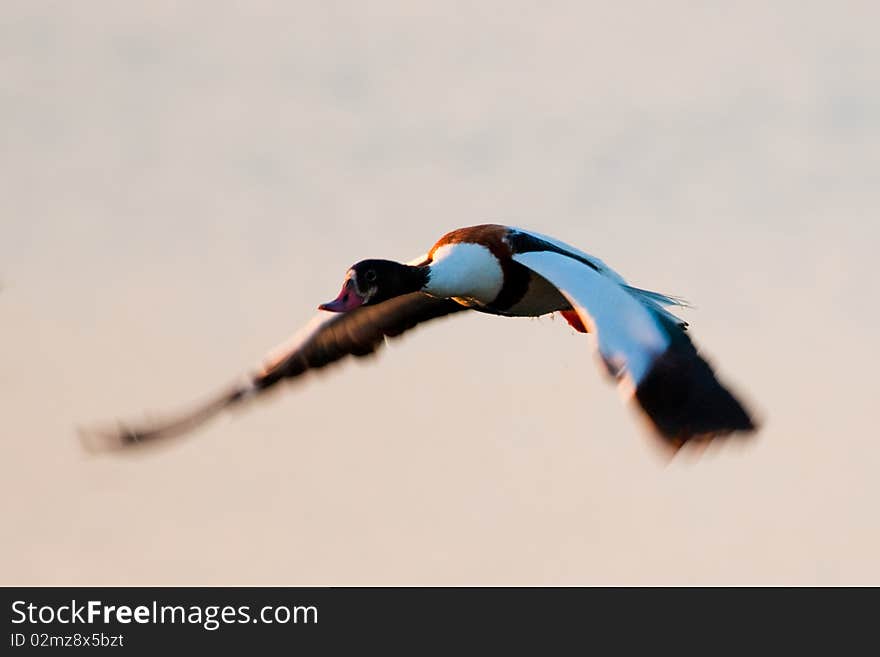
(370,275)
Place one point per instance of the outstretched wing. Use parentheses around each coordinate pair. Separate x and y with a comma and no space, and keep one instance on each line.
(358,333)
(328,338)
(647,350)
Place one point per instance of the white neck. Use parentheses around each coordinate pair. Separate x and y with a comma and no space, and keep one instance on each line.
(466,270)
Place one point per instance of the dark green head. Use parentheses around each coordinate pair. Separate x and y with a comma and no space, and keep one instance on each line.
(373,281)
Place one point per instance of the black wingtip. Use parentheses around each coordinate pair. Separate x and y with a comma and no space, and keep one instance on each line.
(97,440)
(109,438)
(685,401)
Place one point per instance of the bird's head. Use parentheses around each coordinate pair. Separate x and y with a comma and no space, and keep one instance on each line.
(373,281)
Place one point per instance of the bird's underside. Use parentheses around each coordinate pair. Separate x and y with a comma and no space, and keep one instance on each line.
(642,345)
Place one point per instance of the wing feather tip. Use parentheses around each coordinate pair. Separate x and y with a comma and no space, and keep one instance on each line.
(686,403)
(99,440)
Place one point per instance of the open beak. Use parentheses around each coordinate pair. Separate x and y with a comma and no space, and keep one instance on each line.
(348,299)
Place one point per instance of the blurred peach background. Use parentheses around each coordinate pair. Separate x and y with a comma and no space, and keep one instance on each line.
(183,183)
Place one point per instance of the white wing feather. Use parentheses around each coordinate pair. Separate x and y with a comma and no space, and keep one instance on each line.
(628,336)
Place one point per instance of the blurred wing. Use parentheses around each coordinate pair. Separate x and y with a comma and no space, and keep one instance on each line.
(358,333)
(647,350)
(328,338)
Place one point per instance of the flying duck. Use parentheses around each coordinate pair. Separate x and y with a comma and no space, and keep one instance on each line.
(509,272)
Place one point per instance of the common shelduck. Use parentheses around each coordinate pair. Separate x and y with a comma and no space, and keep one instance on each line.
(510,272)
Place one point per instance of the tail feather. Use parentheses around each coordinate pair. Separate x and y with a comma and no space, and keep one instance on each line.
(658,298)
(659,302)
